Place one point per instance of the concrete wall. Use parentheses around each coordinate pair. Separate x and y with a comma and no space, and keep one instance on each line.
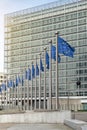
(36,117)
(66,103)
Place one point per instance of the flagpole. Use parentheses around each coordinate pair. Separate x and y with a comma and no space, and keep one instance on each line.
(45,78)
(57,83)
(40,84)
(50,76)
(28,90)
(12,96)
(18,94)
(15,96)
(4,92)
(15,92)
(7,90)
(35,85)
(31,86)
(24,92)
(21,92)
(19,86)
(9,96)
(22,85)
(1,98)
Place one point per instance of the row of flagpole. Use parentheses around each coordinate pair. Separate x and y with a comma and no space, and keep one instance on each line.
(33,73)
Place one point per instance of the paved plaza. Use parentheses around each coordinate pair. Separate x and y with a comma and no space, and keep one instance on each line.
(33,127)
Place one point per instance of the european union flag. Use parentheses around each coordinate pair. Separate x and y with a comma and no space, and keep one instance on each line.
(22,80)
(33,71)
(0,89)
(47,60)
(37,69)
(65,48)
(3,86)
(13,84)
(9,84)
(41,65)
(59,58)
(29,74)
(19,79)
(17,82)
(26,74)
(53,54)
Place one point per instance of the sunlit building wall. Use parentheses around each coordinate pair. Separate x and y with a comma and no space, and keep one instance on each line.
(27,32)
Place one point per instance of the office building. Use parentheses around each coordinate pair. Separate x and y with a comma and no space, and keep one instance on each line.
(28,31)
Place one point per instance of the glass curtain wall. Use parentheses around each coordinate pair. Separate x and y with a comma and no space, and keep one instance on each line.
(27,32)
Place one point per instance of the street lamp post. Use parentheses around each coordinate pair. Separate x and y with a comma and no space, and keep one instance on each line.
(68,99)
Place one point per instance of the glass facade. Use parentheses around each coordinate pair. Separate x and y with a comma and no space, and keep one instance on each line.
(27,32)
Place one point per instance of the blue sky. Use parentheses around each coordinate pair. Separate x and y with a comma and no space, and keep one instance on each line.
(8,6)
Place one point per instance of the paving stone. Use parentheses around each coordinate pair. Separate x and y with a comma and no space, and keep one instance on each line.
(39,127)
